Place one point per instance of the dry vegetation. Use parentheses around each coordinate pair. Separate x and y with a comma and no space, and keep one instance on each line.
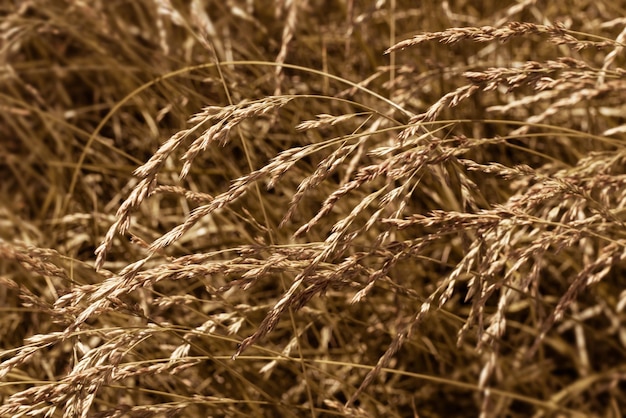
(312,208)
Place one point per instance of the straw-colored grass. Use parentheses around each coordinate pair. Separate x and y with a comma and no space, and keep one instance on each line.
(312,208)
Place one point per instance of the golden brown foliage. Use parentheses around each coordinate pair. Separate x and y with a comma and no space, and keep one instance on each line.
(312,208)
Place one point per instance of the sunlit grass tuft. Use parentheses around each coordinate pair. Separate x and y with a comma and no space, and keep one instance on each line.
(312,209)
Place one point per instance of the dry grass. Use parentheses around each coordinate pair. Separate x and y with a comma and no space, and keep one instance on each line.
(311,208)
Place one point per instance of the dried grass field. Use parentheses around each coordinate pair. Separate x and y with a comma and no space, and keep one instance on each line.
(312,208)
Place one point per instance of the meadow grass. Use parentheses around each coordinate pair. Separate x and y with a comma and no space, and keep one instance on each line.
(312,208)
